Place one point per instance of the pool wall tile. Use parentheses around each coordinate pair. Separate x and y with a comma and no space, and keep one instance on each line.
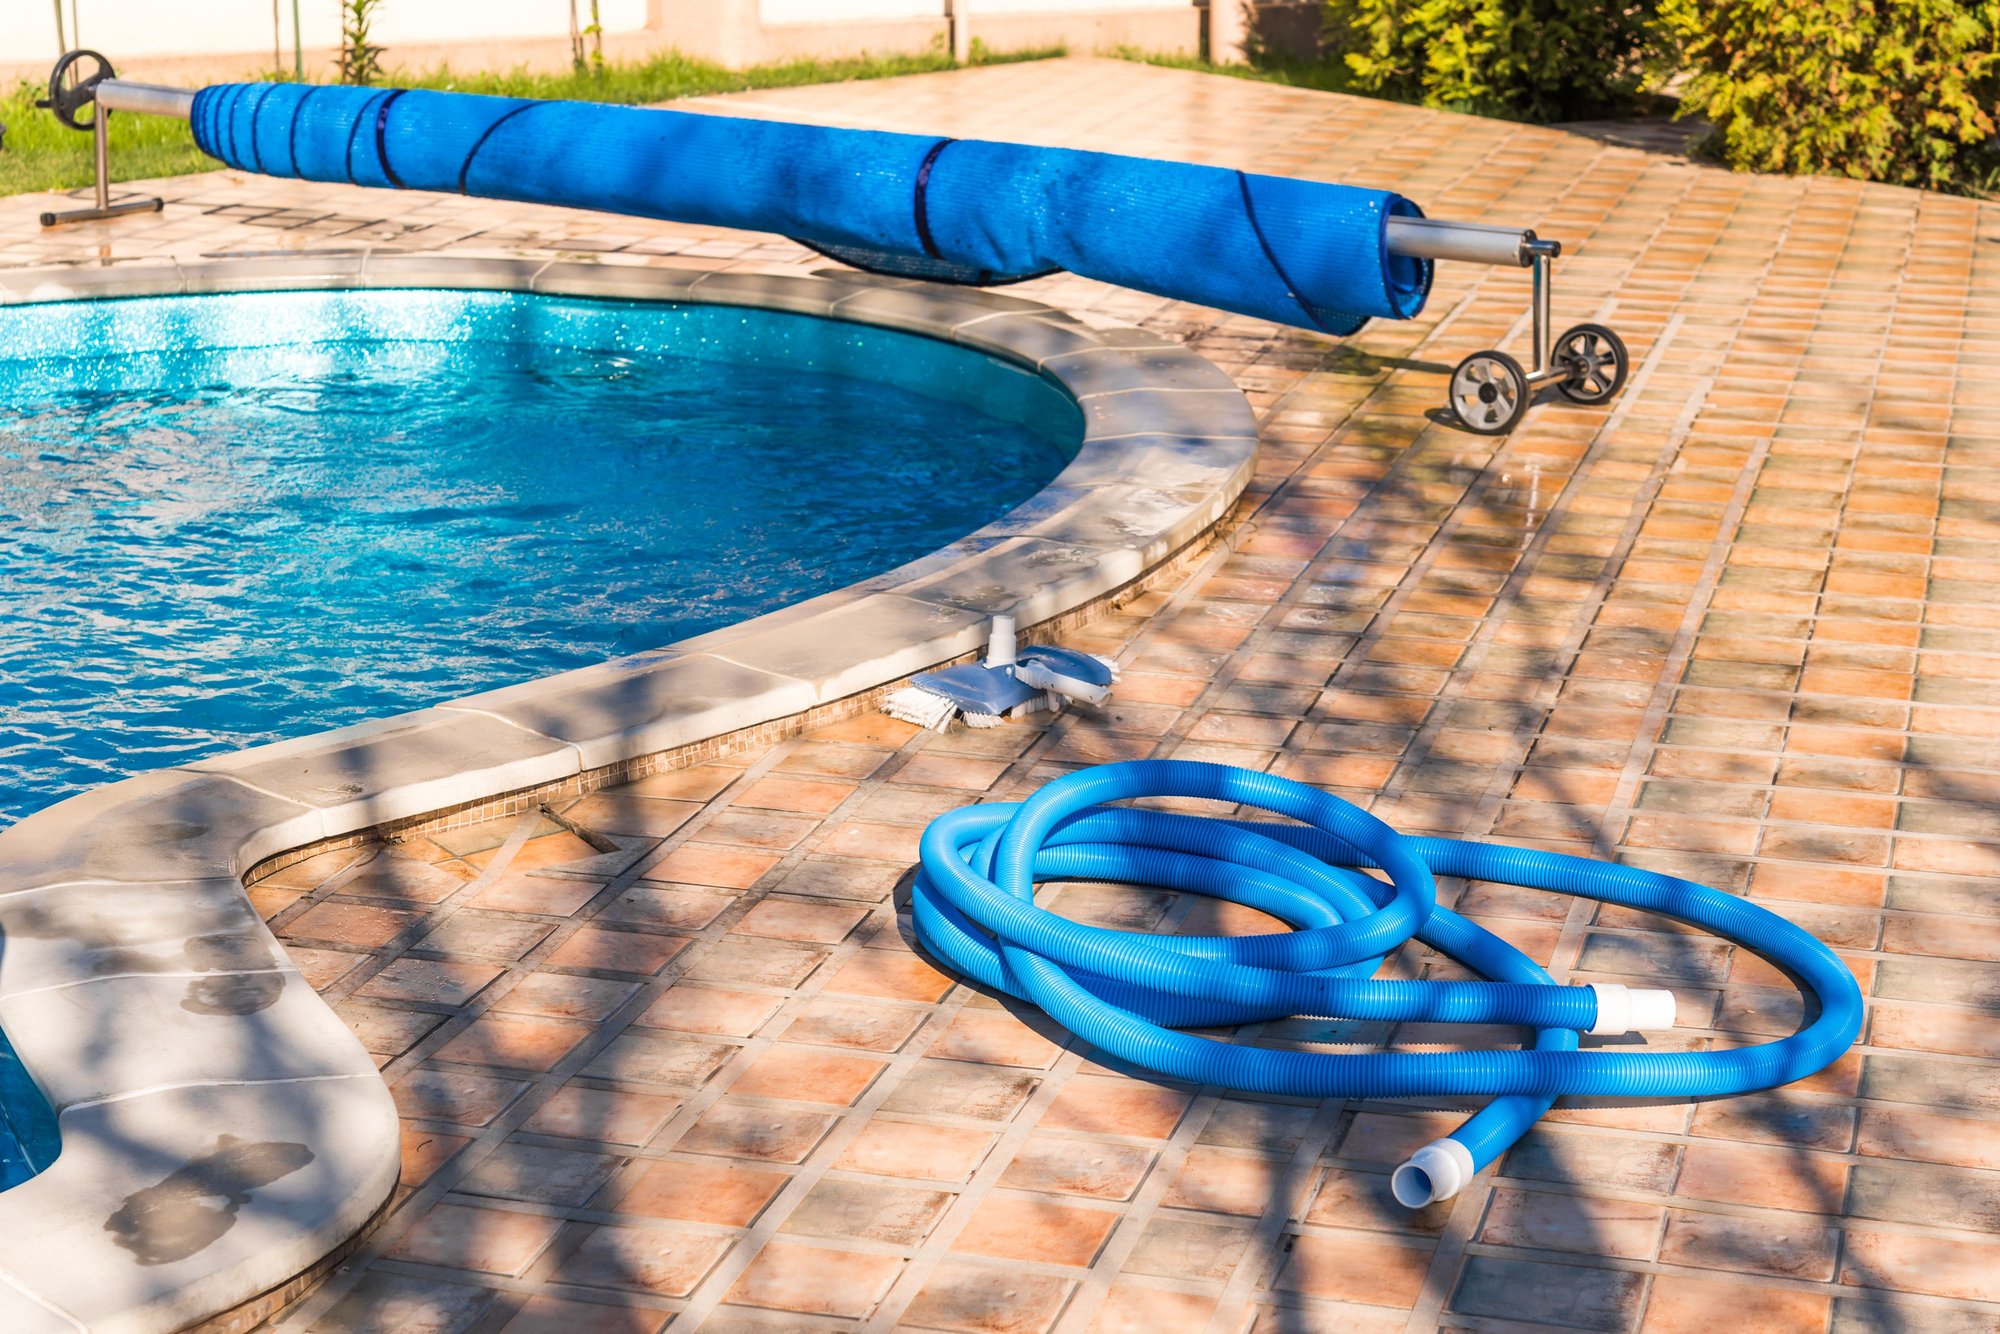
(1163,460)
(1218,413)
(767,291)
(500,273)
(1117,370)
(639,705)
(1030,578)
(167,825)
(393,768)
(86,284)
(169,1206)
(105,1038)
(273,273)
(1043,337)
(96,930)
(853,647)
(927,309)
(22,1314)
(1146,521)
(609,280)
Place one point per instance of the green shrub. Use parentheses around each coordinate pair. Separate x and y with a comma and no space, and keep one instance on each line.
(1890,90)
(1540,60)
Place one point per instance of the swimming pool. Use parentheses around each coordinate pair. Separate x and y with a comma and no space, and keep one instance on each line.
(226,519)
(1165,446)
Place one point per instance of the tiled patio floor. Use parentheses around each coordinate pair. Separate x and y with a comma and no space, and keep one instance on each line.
(1742,625)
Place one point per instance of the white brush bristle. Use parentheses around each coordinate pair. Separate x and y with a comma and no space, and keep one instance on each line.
(913,704)
(982,720)
(1108,662)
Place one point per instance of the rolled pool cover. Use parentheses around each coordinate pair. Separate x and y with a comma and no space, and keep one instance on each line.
(1304,253)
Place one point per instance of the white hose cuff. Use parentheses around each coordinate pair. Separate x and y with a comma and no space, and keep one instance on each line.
(1437,1171)
(1622,1009)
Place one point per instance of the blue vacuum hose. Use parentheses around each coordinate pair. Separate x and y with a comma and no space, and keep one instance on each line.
(1126,992)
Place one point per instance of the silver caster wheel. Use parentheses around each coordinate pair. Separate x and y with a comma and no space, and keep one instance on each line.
(1593,362)
(1489,392)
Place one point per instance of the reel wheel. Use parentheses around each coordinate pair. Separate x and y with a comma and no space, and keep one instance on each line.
(1489,393)
(1593,361)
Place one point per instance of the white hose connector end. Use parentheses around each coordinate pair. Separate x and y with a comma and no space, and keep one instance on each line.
(1435,1172)
(1652,1010)
(1001,649)
(1622,1009)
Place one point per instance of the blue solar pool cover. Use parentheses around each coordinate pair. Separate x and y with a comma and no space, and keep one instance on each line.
(1304,253)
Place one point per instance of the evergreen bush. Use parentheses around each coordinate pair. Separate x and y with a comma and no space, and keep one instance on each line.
(1537,60)
(1902,91)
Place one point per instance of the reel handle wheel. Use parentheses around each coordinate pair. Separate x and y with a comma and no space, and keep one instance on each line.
(68,96)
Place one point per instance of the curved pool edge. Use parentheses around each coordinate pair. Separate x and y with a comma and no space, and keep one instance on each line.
(223,1130)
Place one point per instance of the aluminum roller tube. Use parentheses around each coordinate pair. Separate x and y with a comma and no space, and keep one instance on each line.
(1468,242)
(147,98)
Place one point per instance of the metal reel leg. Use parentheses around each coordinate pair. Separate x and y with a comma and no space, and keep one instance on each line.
(101,149)
(69,216)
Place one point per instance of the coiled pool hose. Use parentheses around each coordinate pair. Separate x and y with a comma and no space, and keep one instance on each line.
(1125,992)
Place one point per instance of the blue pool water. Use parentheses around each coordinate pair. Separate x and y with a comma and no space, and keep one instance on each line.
(228,519)
(29,1139)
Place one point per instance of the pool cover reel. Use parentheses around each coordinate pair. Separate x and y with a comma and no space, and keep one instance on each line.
(1124,992)
(1303,253)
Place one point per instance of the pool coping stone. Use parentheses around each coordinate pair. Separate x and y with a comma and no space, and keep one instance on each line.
(223,1129)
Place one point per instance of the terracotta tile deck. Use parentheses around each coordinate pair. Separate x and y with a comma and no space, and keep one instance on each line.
(1741,625)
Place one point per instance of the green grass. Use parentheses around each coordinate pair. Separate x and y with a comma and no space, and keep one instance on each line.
(39,154)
